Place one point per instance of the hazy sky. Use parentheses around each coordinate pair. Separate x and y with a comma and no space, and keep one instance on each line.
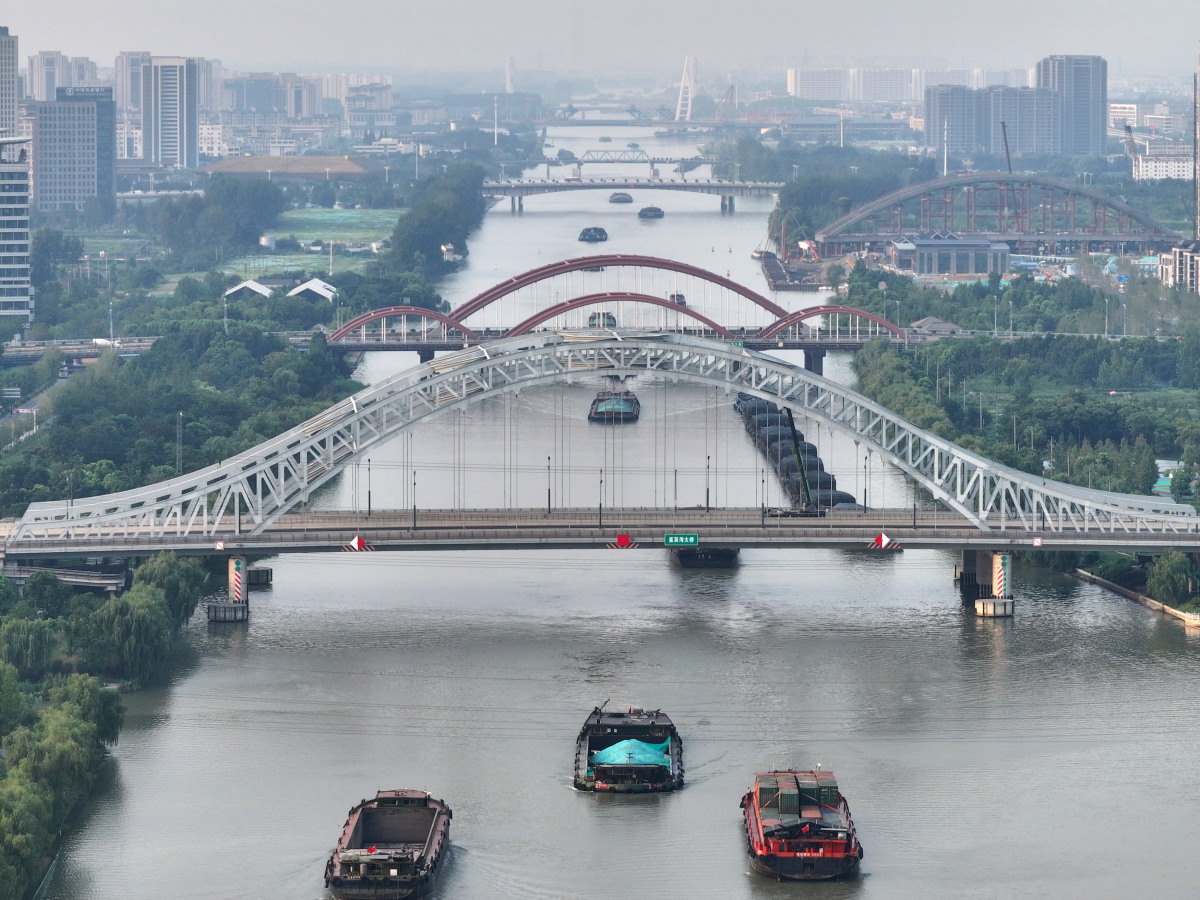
(611,36)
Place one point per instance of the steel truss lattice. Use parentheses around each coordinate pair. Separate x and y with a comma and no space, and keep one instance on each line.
(256,487)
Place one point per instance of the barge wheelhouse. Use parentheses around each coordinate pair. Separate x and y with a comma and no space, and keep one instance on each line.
(628,752)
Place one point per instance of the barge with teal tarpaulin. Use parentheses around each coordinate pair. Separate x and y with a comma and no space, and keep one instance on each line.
(615,407)
(391,847)
(638,751)
(798,827)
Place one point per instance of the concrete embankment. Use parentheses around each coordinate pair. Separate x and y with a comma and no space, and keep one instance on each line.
(1192,620)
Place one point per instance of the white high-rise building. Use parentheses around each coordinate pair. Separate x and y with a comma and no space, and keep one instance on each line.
(16,293)
(8,82)
(171,111)
(128,77)
(48,71)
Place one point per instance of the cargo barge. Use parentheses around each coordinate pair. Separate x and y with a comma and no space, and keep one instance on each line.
(391,847)
(638,751)
(615,407)
(798,827)
(593,234)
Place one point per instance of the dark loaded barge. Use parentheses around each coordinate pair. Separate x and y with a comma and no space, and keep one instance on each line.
(391,847)
(628,752)
(798,827)
(615,407)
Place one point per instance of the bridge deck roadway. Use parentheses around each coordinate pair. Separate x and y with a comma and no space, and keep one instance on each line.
(532,529)
(718,188)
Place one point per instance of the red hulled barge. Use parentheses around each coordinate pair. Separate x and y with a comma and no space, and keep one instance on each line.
(798,827)
(391,847)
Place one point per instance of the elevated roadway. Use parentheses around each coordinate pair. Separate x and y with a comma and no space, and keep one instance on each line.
(593,529)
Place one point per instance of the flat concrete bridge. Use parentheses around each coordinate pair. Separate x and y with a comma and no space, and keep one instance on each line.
(726,190)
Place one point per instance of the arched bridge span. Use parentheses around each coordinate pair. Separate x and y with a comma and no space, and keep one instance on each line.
(814,312)
(586,263)
(263,483)
(401,312)
(1025,207)
(559,309)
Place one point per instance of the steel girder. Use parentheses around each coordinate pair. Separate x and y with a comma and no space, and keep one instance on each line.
(247,493)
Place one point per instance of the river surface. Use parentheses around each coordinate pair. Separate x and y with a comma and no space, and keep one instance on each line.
(1051,755)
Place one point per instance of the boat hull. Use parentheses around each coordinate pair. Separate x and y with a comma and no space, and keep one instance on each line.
(392,847)
(804,869)
(601,787)
(384,890)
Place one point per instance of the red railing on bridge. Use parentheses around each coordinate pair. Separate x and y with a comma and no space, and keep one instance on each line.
(392,312)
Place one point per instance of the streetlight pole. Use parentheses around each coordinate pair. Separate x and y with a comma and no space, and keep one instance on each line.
(368,487)
(1106,317)
(547,485)
(707,460)
(1010,317)
(414,500)
(600,517)
(866,482)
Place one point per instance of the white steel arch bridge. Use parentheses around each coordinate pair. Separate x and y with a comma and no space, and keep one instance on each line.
(248,493)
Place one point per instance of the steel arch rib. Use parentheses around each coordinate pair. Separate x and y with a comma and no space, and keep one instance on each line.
(613,296)
(838,227)
(813,312)
(542,273)
(376,314)
(268,480)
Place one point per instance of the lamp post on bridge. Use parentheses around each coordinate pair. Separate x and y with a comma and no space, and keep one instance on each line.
(600,517)
(707,462)
(368,487)
(414,499)
(547,485)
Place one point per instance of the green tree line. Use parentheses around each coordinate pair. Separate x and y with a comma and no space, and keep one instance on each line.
(56,718)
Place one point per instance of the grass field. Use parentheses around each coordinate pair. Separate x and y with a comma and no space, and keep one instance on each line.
(337,224)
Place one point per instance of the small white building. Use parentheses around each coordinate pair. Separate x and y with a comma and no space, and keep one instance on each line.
(314,289)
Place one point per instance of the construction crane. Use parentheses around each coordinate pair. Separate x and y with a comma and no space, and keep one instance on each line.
(1007,156)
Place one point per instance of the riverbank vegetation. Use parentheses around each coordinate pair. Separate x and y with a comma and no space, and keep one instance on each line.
(57,718)
(1078,409)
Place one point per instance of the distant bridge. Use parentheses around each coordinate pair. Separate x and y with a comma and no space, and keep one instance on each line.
(726,190)
(625,292)
(1025,209)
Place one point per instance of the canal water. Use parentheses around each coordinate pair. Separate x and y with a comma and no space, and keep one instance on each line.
(1050,755)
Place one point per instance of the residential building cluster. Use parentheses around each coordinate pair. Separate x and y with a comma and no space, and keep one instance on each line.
(1063,110)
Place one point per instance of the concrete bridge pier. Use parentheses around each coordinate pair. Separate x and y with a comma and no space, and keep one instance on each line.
(236,607)
(814,361)
(516,204)
(425,356)
(985,579)
(726,203)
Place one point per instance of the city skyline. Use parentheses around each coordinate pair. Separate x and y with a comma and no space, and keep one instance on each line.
(374,35)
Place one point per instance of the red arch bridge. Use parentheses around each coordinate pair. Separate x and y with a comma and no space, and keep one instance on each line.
(630,293)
